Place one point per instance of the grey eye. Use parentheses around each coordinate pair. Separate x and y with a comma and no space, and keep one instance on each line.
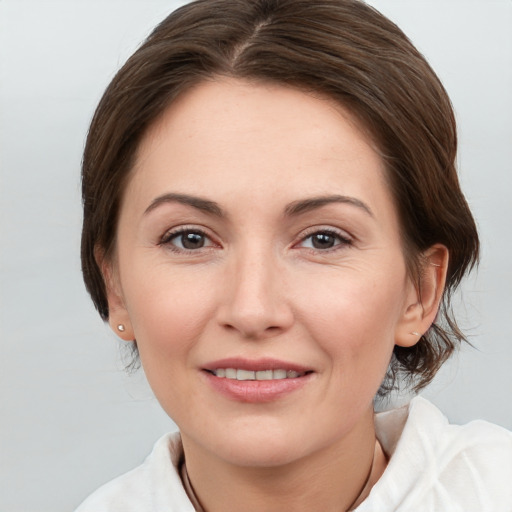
(187,240)
(190,240)
(323,240)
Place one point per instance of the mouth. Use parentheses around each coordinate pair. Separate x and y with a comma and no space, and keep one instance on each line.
(256,381)
(269,374)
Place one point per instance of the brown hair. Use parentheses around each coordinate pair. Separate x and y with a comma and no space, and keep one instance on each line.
(342,49)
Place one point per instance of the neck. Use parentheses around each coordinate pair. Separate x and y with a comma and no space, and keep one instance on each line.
(333,479)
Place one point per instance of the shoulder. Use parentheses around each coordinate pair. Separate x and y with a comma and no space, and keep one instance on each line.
(478,441)
(154,485)
(438,466)
(478,453)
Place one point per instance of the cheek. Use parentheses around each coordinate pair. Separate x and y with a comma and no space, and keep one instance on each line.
(354,317)
(168,311)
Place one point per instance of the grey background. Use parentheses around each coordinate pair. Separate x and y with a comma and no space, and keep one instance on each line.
(70,418)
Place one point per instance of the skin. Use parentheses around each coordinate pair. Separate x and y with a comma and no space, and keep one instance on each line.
(260,288)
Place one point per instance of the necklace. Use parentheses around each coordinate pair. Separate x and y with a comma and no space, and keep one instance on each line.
(188,488)
(378,452)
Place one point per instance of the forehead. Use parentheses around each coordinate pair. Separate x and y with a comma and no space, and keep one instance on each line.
(232,138)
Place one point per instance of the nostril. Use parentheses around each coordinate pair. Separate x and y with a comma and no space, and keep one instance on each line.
(254,319)
(253,332)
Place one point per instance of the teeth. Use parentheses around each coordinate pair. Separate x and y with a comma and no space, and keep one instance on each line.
(279,374)
(245,375)
(230,373)
(238,374)
(264,375)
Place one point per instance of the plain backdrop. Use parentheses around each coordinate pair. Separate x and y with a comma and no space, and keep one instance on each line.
(70,417)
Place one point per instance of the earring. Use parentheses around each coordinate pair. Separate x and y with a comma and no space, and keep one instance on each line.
(121,328)
(414,333)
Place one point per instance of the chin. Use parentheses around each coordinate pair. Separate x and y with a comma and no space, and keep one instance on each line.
(264,454)
(264,446)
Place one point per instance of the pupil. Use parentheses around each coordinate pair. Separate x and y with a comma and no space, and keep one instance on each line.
(192,240)
(323,241)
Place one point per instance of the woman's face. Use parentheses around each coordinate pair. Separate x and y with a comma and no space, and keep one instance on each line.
(258,240)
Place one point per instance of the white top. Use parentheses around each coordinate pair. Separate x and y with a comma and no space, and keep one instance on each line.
(433,467)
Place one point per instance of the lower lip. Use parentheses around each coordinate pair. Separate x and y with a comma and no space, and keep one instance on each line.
(256,391)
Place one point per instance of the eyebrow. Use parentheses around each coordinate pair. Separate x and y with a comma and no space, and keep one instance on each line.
(296,208)
(307,205)
(204,205)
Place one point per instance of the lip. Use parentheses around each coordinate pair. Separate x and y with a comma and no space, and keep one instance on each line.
(256,365)
(256,391)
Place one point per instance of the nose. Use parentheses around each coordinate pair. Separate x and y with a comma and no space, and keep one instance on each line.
(255,302)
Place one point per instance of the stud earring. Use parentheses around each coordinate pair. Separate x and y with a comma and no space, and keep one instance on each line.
(121,328)
(414,333)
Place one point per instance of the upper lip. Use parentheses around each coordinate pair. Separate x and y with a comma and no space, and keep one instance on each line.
(256,365)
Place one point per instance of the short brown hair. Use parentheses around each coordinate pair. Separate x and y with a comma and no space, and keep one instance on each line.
(342,49)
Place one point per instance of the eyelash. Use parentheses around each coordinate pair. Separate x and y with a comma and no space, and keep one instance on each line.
(167,238)
(340,237)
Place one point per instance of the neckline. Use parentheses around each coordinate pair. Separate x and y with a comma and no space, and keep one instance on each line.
(363,494)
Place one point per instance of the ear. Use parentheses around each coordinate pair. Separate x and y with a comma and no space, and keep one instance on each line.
(423,297)
(118,317)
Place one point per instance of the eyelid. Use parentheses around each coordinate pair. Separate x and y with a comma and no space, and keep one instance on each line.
(171,233)
(345,238)
(324,228)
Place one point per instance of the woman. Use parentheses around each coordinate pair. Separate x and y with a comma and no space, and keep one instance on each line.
(272,217)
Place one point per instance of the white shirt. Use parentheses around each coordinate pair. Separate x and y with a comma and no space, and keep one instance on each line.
(433,467)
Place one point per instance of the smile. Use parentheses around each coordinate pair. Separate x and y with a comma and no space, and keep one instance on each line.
(256,381)
(241,374)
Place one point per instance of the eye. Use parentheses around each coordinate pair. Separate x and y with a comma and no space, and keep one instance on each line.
(324,240)
(186,239)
